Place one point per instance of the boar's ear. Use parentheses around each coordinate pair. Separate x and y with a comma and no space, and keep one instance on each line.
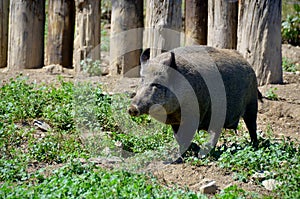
(170,61)
(145,56)
(173,63)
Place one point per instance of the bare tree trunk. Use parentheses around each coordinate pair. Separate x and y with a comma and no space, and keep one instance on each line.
(222,23)
(146,35)
(26,34)
(259,38)
(60,39)
(88,31)
(4,10)
(126,37)
(165,25)
(196,14)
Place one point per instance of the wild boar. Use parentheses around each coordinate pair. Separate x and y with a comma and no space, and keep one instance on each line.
(198,88)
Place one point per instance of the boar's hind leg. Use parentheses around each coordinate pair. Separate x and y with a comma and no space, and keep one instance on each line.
(250,120)
(175,128)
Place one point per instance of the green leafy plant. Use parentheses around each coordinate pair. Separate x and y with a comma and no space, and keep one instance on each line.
(288,65)
(271,95)
(140,143)
(75,180)
(142,120)
(276,157)
(93,108)
(290,27)
(235,192)
(91,67)
(13,169)
(76,110)
(105,40)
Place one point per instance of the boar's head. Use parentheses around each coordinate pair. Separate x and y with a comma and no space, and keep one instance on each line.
(154,95)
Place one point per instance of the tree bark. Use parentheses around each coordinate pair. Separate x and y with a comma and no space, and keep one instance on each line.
(88,31)
(60,39)
(126,37)
(222,23)
(4,10)
(147,23)
(26,34)
(165,24)
(259,38)
(196,14)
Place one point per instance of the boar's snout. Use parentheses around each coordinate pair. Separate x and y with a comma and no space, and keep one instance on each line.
(133,111)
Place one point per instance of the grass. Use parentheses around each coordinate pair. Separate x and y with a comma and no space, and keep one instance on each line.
(87,122)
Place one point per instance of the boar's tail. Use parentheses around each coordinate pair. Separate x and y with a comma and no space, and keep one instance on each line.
(260,96)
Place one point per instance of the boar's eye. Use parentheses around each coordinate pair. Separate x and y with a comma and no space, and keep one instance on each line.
(156,85)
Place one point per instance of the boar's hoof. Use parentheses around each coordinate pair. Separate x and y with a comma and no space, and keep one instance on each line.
(179,160)
(133,111)
(255,145)
(192,151)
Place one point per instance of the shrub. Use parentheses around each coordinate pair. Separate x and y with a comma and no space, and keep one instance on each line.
(290,27)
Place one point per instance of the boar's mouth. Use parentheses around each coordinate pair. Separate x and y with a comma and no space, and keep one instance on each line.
(155,110)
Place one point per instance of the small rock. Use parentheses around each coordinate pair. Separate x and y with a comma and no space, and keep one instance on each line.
(270,184)
(260,176)
(206,181)
(209,188)
(54,69)
(104,71)
(119,144)
(41,125)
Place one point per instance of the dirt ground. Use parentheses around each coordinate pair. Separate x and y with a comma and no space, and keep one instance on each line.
(282,117)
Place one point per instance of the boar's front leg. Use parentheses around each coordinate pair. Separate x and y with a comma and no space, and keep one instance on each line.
(192,150)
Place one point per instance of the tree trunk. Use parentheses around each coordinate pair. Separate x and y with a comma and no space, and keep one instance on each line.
(60,39)
(126,37)
(4,10)
(26,34)
(146,34)
(196,22)
(88,31)
(165,25)
(222,23)
(259,38)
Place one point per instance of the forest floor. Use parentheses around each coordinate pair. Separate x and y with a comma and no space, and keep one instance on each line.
(281,116)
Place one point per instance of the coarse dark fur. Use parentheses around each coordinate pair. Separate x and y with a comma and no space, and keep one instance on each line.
(239,81)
